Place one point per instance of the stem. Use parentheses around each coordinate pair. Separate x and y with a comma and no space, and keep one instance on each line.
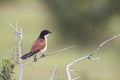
(20,60)
(19,35)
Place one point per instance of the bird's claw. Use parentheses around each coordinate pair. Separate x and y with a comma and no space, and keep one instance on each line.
(43,55)
(35,58)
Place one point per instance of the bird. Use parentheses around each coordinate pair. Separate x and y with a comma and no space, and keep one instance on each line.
(39,45)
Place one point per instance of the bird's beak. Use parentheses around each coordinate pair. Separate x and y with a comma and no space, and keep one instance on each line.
(50,32)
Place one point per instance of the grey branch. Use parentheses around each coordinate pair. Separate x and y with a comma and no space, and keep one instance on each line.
(52,53)
(88,56)
(54,72)
(19,35)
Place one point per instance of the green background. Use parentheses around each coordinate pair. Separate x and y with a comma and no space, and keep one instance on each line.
(72,22)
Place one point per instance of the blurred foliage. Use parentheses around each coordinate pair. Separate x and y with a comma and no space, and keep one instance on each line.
(7,68)
(7,1)
(83,20)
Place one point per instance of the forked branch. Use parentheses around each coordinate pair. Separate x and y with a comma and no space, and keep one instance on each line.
(68,71)
(19,35)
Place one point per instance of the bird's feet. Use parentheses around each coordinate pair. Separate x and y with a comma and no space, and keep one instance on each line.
(35,58)
(43,55)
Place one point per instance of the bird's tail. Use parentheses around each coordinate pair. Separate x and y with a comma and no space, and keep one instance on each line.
(25,56)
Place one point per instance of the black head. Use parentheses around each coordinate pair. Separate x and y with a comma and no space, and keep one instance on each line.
(43,33)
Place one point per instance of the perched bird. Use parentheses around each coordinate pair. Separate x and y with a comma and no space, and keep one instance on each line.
(39,45)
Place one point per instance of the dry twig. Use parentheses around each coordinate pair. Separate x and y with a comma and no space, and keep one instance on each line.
(54,72)
(68,71)
(19,35)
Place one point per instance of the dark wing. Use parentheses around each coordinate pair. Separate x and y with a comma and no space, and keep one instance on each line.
(38,45)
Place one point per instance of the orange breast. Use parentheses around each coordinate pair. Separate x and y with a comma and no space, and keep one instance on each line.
(38,45)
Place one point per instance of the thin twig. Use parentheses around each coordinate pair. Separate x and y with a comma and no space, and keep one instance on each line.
(88,56)
(54,72)
(52,53)
(15,30)
(59,51)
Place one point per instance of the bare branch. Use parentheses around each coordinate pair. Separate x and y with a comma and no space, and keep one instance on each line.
(88,56)
(103,43)
(19,35)
(52,53)
(59,51)
(15,30)
(54,72)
